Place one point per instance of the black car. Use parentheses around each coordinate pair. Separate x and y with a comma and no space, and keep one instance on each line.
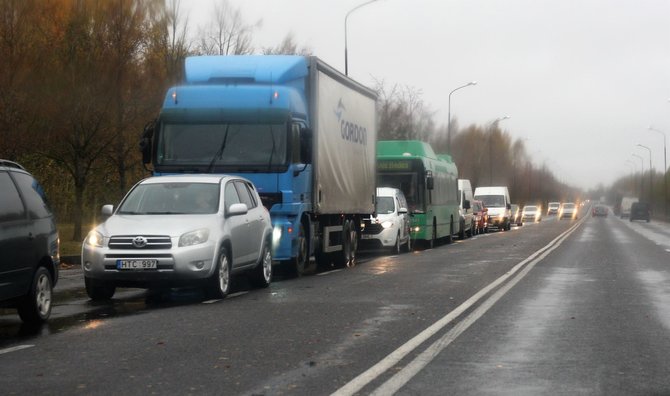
(640,211)
(29,245)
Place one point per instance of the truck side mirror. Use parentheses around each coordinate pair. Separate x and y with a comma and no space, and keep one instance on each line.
(429,180)
(466,204)
(145,141)
(509,206)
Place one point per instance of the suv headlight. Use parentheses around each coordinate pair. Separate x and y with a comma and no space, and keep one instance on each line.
(94,238)
(194,237)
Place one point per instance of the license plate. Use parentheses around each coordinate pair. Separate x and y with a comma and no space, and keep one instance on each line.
(367,236)
(136,264)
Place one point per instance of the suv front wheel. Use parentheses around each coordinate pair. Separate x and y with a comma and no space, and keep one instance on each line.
(98,290)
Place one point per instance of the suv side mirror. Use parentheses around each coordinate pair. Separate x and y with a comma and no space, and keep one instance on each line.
(402,211)
(237,209)
(107,210)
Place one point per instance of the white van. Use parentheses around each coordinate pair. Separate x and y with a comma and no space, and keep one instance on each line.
(391,226)
(465,199)
(497,200)
(626,204)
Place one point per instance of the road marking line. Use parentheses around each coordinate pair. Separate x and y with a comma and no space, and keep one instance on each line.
(211,301)
(237,294)
(396,356)
(328,272)
(16,348)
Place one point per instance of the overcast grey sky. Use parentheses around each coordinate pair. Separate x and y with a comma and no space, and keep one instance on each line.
(581,80)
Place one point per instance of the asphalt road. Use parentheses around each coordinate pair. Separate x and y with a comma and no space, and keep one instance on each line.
(557,307)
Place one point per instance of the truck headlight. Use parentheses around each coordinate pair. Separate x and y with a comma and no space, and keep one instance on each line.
(194,237)
(276,235)
(387,224)
(94,238)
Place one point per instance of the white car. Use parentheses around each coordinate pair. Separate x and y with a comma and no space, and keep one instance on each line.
(568,210)
(185,230)
(531,213)
(391,227)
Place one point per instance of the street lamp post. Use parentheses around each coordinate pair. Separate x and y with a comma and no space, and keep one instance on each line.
(650,173)
(665,173)
(449,114)
(641,174)
(346,61)
(495,122)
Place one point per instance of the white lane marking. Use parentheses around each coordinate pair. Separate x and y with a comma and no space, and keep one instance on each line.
(16,348)
(233,295)
(396,356)
(328,272)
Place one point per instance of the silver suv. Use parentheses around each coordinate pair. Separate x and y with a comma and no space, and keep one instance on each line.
(185,230)
(29,245)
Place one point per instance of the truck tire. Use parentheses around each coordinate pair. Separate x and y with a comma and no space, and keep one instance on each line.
(450,237)
(433,236)
(461,233)
(296,267)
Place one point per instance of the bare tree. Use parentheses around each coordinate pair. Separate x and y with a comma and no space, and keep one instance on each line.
(228,33)
(288,46)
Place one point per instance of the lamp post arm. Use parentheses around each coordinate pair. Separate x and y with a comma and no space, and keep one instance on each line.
(346,63)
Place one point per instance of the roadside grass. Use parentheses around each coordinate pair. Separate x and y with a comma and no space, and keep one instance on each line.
(68,247)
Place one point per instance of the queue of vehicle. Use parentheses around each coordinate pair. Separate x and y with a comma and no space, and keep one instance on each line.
(245,177)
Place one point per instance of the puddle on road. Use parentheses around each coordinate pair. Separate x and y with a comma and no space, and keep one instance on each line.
(72,309)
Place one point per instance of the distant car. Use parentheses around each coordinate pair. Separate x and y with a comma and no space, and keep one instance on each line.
(599,210)
(481,217)
(391,227)
(185,230)
(29,245)
(516,215)
(531,213)
(568,210)
(553,207)
(640,211)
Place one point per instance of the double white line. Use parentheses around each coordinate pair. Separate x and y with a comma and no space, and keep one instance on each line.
(403,376)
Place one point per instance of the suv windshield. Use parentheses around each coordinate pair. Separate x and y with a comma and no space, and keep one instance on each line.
(171,198)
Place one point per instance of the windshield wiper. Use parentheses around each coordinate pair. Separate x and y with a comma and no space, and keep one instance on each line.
(220,151)
(273,148)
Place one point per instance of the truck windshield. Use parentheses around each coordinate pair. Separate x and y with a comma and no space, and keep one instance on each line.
(241,146)
(492,201)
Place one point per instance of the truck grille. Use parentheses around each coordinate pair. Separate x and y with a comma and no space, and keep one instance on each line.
(144,242)
(269,199)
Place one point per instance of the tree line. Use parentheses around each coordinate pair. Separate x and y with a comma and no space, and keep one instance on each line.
(81,78)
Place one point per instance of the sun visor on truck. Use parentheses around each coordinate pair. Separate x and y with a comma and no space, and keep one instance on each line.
(205,116)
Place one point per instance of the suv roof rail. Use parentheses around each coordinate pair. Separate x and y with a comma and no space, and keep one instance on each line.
(11,164)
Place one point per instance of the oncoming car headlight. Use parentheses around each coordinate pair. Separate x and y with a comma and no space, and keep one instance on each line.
(194,237)
(94,238)
(387,224)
